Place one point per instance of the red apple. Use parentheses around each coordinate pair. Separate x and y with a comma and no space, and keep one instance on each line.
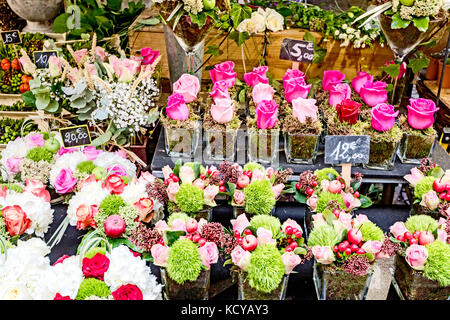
(354,236)
(335,249)
(191,225)
(114,226)
(342,246)
(288,230)
(439,186)
(249,242)
(247,231)
(243,181)
(294,245)
(425,237)
(407,235)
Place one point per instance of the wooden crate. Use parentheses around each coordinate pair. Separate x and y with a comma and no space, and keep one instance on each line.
(348,60)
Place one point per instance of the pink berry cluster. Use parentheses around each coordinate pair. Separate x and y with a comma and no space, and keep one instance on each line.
(172,178)
(443,189)
(246,240)
(418,237)
(290,238)
(193,233)
(350,246)
(307,183)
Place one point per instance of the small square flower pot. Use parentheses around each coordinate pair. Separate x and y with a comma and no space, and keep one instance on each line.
(195,290)
(382,155)
(263,147)
(205,213)
(417,209)
(221,145)
(301,148)
(414,147)
(140,150)
(241,210)
(181,142)
(246,292)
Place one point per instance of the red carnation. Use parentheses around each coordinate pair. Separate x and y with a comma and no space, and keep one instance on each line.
(348,110)
(96,266)
(60,297)
(128,292)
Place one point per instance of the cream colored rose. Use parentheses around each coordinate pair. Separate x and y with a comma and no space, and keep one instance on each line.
(259,21)
(274,20)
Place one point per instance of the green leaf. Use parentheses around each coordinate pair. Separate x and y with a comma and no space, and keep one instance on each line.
(355,185)
(418,64)
(199,18)
(331,176)
(365,201)
(300,197)
(399,23)
(242,96)
(285,12)
(42,100)
(393,70)
(150,22)
(239,13)
(231,187)
(147,256)
(116,242)
(52,107)
(29,98)
(114,5)
(239,37)
(437,172)
(309,37)
(389,87)
(196,169)
(421,23)
(104,138)
(329,217)
(176,168)
(60,23)
(300,251)
(171,236)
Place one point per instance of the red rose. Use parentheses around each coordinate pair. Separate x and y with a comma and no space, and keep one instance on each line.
(348,110)
(16,220)
(60,297)
(61,259)
(114,184)
(128,292)
(96,266)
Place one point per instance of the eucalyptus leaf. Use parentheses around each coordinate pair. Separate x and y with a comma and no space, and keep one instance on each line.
(101,140)
(150,22)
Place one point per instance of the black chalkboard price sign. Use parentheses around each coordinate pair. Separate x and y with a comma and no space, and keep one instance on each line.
(347,149)
(41,58)
(297,50)
(77,136)
(11,37)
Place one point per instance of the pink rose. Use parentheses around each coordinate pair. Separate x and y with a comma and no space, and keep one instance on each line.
(338,93)
(296,88)
(36,140)
(85,215)
(359,81)
(149,55)
(176,107)
(86,181)
(402,68)
(118,170)
(91,152)
(383,117)
(209,254)
(319,220)
(172,190)
(65,182)
(335,186)
(101,53)
(397,229)
(323,255)
(430,200)
(292,73)
(240,257)
(199,183)
(312,202)
(416,256)
(210,193)
(324,184)
(186,174)
(161,226)
(178,225)
(63,150)
(361,218)
(239,197)
(258,75)
(421,113)
(290,261)
(331,77)
(166,170)
(79,54)
(262,91)
(146,177)
(37,188)
(188,86)
(350,201)
(290,223)
(222,110)
(304,108)
(224,71)
(240,223)
(373,93)
(346,220)
(257,175)
(442,236)
(264,236)
(220,90)
(415,176)
(160,254)
(372,246)
(13,165)
(16,220)
(266,114)
(276,189)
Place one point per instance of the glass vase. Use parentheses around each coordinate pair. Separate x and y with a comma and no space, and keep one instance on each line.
(334,284)
(301,148)
(382,155)
(410,284)
(263,147)
(205,213)
(417,209)
(238,210)
(221,145)
(195,290)
(414,147)
(246,292)
(181,142)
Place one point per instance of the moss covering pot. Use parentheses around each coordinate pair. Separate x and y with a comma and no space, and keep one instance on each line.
(246,292)
(415,147)
(301,148)
(263,145)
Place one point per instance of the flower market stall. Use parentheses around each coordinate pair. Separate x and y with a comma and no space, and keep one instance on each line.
(224,150)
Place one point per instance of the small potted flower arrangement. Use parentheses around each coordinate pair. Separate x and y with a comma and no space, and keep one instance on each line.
(431,189)
(267,252)
(418,132)
(180,118)
(344,252)
(422,269)
(221,121)
(192,189)
(257,189)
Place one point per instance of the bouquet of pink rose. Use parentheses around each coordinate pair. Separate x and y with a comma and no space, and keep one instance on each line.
(267,252)
(423,253)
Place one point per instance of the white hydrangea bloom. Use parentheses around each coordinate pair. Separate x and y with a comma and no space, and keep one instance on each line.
(65,277)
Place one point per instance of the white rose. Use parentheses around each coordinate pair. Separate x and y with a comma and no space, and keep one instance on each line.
(274,20)
(258,21)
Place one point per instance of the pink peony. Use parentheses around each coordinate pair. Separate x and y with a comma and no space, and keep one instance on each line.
(323,254)
(346,220)
(186,174)
(397,229)
(290,261)
(331,77)
(224,71)
(430,200)
(222,110)
(239,197)
(188,86)
(240,223)
(91,152)
(324,184)
(220,90)
(172,190)
(335,186)
(312,202)
(296,88)
(176,107)
(161,226)
(79,54)
(359,81)
(160,254)
(266,114)
(383,117)
(36,140)
(149,55)
(101,53)
(276,189)
(416,256)
(421,113)
(262,91)
(258,175)
(372,246)
(361,218)
(166,170)
(304,108)
(210,193)
(209,254)
(264,236)
(240,257)
(373,93)
(258,75)
(442,236)
(65,182)
(414,177)
(13,165)
(338,93)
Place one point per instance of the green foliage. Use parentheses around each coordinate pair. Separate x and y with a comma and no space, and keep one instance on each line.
(252,166)
(12,186)
(189,198)
(267,222)
(259,198)
(371,232)
(177,215)
(323,235)
(111,204)
(128,212)
(323,174)
(423,186)
(93,251)
(184,262)
(92,287)
(438,263)
(86,167)
(266,269)
(40,153)
(421,223)
(326,197)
